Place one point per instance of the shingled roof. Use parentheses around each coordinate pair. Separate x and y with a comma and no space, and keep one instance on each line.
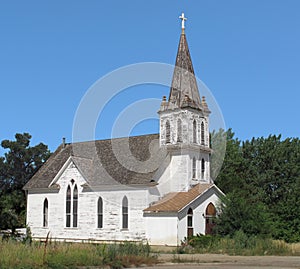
(99,161)
(176,201)
(184,90)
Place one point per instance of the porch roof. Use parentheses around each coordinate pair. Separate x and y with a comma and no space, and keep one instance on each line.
(176,201)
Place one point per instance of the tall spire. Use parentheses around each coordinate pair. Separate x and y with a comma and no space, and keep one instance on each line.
(184,90)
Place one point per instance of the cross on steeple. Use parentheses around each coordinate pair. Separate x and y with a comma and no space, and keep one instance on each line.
(183,19)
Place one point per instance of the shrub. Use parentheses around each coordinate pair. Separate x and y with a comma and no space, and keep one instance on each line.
(238,244)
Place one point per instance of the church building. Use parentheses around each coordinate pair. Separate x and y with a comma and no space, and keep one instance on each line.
(88,195)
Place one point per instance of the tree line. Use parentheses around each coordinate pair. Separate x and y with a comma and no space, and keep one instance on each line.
(261,180)
(260,177)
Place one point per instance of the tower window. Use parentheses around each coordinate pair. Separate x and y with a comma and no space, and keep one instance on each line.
(194,169)
(179,130)
(168,132)
(202,134)
(45,213)
(194,131)
(100,213)
(125,213)
(202,168)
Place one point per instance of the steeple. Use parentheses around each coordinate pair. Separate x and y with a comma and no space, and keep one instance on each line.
(184,90)
(184,123)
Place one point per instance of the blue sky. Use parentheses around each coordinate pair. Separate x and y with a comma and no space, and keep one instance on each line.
(51,52)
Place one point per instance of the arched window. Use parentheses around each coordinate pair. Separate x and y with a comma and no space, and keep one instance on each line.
(202,134)
(210,215)
(125,213)
(75,206)
(202,168)
(194,168)
(194,131)
(100,213)
(45,213)
(68,207)
(72,205)
(168,132)
(179,130)
(190,230)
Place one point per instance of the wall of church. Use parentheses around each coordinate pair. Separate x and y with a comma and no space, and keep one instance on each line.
(178,174)
(87,212)
(171,229)
(162,230)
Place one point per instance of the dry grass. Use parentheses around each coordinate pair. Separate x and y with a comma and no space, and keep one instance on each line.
(66,255)
(294,248)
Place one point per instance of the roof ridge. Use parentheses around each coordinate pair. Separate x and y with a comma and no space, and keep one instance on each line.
(106,139)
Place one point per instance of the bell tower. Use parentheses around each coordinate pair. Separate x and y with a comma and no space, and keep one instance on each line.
(184,124)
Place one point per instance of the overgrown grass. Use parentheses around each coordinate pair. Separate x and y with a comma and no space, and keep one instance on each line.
(71,255)
(239,244)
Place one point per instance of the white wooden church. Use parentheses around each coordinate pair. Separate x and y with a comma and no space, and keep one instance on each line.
(73,198)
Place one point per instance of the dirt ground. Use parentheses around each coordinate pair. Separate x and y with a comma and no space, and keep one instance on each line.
(215,261)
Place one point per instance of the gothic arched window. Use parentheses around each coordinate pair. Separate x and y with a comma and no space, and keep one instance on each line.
(168,132)
(190,230)
(125,213)
(202,133)
(68,207)
(100,213)
(72,205)
(194,131)
(179,130)
(194,168)
(45,213)
(75,206)
(210,215)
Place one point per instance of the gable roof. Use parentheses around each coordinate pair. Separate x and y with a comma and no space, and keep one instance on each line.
(97,161)
(176,201)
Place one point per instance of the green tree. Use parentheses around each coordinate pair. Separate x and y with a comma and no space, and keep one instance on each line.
(18,165)
(261,178)
(218,141)
(231,176)
(241,213)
